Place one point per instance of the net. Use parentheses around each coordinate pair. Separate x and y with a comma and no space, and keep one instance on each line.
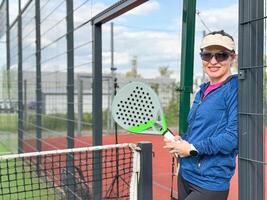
(70,173)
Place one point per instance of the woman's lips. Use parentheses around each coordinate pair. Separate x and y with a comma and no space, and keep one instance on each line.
(214,69)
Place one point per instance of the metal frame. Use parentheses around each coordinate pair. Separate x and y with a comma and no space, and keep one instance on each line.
(38,82)
(145,183)
(187,61)
(110,13)
(20,84)
(8,49)
(250,97)
(70,99)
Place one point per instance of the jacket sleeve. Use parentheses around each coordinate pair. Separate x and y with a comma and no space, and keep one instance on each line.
(227,141)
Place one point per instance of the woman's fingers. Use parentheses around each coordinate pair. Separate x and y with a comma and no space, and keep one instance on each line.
(177,137)
(168,146)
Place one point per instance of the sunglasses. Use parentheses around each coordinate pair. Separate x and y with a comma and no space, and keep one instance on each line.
(219,56)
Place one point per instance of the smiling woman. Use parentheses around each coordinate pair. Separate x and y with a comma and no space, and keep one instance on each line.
(209,147)
(218,55)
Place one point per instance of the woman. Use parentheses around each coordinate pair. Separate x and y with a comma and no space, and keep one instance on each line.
(209,147)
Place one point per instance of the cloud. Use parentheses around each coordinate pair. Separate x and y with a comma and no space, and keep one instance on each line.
(219,18)
(152,48)
(145,9)
(87,11)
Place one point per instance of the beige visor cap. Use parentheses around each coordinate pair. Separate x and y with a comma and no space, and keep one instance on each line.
(219,40)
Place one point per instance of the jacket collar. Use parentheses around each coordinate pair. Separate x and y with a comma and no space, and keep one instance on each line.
(204,86)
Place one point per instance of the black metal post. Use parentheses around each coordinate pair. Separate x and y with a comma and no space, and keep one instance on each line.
(250,96)
(145,189)
(7,36)
(97,108)
(80,106)
(20,85)
(70,99)
(8,51)
(187,61)
(25,116)
(38,77)
(113,75)
(38,83)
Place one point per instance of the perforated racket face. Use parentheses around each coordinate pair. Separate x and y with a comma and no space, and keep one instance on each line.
(136,107)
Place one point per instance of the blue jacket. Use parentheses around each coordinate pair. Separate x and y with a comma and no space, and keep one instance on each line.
(212,130)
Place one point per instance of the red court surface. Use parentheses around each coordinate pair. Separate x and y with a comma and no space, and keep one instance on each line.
(161,161)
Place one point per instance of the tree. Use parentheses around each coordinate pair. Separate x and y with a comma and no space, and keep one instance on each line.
(164,71)
(171,111)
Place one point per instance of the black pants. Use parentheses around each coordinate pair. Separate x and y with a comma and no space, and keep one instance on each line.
(188,191)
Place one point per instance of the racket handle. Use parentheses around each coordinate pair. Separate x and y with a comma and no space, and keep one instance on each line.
(169,135)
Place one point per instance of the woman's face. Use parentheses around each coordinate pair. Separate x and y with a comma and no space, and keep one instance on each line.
(217,62)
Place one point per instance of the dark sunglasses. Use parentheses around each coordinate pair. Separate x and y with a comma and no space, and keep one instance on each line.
(219,56)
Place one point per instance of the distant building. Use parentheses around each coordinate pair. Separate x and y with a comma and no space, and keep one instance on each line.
(54,90)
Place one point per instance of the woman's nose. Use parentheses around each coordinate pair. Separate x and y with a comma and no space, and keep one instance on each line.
(213,60)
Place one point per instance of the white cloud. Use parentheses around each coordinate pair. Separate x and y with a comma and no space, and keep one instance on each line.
(152,48)
(145,8)
(13,10)
(121,58)
(87,11)
(219,18)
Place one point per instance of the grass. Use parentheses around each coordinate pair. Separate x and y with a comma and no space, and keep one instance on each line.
(8,122)
(3,148)
(17,181)
(20,182)
(8,142)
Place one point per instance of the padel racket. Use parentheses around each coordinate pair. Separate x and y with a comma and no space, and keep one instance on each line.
(136,108)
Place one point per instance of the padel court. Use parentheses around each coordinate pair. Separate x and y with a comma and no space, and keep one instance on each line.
(59,104)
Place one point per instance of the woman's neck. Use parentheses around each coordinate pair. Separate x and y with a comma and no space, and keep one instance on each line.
(219,80)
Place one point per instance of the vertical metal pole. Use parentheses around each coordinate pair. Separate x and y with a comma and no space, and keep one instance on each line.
(38,83)
(38,77)
(25,103)
(109,88)
(43,103)
(8,51)
(113,75)
(97,119)
(7,36)
(250,96)
(70,75)
(20,85)
(70,99)
(80,106)
(187,61)
(145,189)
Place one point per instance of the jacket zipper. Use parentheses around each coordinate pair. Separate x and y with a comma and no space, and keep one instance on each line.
(194,116)
(199,104)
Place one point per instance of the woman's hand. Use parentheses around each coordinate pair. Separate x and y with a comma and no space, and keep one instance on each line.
(180,147)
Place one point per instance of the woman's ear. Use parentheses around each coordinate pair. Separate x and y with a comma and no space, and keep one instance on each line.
(233,56)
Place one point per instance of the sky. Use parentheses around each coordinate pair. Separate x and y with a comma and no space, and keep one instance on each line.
(150,33)
(158,29)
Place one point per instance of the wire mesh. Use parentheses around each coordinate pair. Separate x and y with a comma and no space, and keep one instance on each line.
(54,103)
(48,174)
